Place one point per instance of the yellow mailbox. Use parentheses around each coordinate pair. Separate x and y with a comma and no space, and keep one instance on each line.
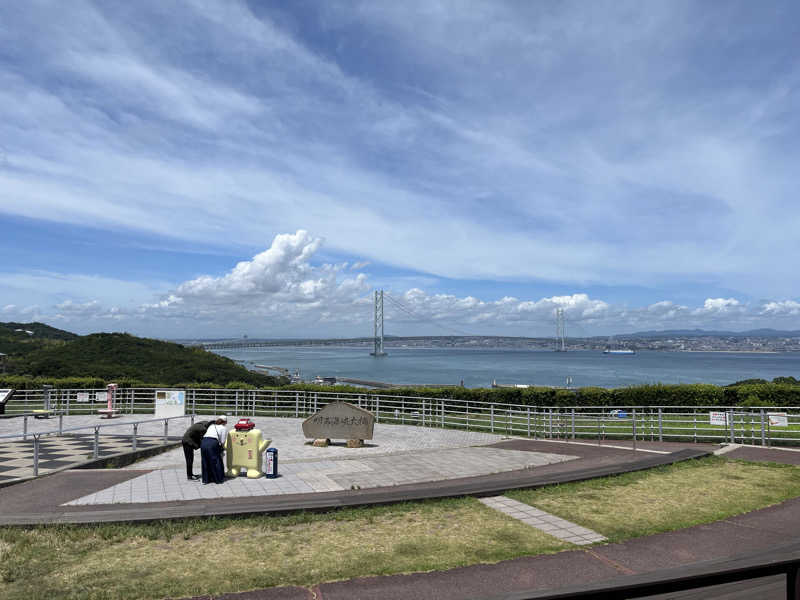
(244,449)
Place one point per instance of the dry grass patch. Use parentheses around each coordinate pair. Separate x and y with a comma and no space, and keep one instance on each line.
(668,498)
(302,550)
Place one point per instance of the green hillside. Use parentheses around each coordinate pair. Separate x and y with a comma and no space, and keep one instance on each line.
(23,338)
(112,356)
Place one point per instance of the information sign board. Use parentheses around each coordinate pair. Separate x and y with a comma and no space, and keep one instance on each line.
(83,397)
(778,419)
(718,418)
(170,403)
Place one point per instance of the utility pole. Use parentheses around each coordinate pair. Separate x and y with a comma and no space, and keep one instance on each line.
(378,325)
(561,333)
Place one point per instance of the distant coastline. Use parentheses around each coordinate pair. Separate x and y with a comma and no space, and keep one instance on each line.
(736,351)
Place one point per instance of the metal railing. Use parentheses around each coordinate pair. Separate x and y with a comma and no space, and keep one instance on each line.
(95,428)
(755,426)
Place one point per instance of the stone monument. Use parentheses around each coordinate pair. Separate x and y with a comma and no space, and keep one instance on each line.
(340,420)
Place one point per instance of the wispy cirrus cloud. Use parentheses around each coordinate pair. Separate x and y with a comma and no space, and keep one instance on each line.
(587,147)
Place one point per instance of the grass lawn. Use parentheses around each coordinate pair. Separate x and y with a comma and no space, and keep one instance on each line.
(667,498)
(169,559)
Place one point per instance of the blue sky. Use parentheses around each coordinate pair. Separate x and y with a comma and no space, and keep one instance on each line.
(207,169)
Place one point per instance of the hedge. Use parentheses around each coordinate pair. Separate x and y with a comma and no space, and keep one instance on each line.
(747,394)
(698,394)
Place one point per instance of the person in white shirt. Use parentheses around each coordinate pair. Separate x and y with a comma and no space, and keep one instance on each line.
(211,448)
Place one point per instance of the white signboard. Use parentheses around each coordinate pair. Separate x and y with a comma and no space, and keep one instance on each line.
(100,397)
(170,403)
(83,397)
(778,419)
(4,394)
(718,418)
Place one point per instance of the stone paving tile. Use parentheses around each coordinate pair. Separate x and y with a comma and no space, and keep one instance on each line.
(550,524)
(330,475)
(287,436)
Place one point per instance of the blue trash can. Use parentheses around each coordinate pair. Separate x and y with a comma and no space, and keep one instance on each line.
(271,463)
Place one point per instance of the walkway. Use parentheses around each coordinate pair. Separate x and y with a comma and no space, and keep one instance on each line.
(456,467)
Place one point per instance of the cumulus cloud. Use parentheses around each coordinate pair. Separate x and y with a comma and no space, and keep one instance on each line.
(282,269)
(278,282)
(720,304)
(783,308)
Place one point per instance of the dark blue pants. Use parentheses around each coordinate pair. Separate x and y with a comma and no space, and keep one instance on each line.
(211,457)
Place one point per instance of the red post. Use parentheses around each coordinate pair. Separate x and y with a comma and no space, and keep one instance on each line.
(110,391)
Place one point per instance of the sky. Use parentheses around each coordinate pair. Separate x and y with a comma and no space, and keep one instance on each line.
(219,169)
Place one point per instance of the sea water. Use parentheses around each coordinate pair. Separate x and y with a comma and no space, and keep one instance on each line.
(479,368)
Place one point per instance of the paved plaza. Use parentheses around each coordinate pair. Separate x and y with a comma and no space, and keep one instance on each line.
(287,436)
(326,475)
(398,454)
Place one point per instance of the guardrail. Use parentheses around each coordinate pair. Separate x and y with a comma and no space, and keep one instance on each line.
(96,428)
(757,426)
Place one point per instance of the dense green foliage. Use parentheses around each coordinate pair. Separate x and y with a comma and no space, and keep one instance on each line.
(698,394)
(126,359)
(15,339)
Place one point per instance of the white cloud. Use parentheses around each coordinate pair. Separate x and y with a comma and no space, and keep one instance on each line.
(720,305)
(279,282)
(281,292)
(782,308)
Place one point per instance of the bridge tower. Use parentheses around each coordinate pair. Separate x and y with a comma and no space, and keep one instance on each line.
(378,351)
(561,331)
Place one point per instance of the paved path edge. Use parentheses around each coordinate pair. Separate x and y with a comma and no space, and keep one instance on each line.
(320,501)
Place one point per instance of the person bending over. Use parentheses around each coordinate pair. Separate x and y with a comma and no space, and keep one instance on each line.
(191,442)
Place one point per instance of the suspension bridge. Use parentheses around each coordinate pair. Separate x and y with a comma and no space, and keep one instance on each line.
(377,340)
